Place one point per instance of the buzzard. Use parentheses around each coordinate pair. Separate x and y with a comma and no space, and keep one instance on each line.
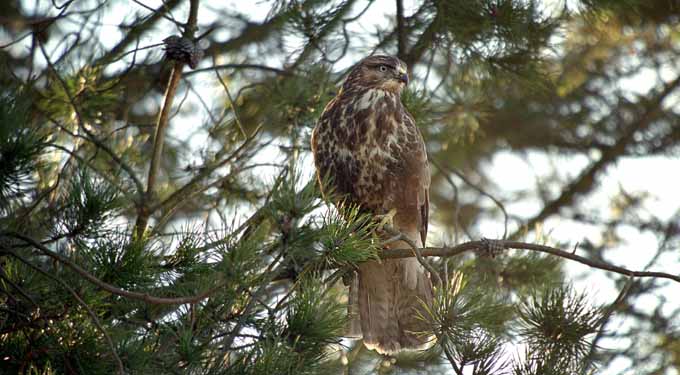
(369,147)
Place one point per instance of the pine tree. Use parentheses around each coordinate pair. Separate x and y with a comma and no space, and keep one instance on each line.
(158,211)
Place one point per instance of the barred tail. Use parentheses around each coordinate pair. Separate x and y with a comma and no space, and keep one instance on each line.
(391,294)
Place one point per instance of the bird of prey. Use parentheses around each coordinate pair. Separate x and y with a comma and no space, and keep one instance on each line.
(369,147)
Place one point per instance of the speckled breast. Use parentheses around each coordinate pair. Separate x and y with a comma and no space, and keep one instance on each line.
(359,144)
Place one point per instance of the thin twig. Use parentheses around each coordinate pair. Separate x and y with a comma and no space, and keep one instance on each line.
(480,190)
(240,66)
(456,212)
(161,125)
(231,102)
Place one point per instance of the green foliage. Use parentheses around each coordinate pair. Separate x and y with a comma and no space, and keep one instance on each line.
(92,97)
(521,273)
(61,331)
(291,102)
(117,260)
(508,36)
(515,79)
(461,308)
(20,146)
(468,323)
(347,237)
(315,319)
(240,261)
(267,357)
(418,105)
(88,205)
(532,271)
(556,325)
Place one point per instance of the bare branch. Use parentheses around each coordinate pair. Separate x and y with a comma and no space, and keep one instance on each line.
(401,30)
(483,245)
(161,125)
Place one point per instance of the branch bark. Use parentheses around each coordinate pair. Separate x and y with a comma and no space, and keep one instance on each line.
(483,245)
(401,30)
(144,211)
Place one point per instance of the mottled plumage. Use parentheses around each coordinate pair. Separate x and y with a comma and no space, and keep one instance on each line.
(373,153)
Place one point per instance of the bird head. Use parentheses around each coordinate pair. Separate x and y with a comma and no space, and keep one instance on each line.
(383,72)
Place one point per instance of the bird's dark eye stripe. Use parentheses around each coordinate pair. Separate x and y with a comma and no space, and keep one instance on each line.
(385,65)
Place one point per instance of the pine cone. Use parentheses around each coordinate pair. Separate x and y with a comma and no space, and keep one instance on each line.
(182,50)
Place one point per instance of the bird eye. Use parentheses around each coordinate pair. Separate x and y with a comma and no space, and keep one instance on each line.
(383,68)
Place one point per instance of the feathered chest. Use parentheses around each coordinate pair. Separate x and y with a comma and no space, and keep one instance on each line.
(361,140)
(366,122)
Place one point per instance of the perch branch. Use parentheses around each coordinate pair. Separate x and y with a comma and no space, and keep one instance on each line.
(482,245)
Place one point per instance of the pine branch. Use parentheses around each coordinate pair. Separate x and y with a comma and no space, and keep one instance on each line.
(144,211)
(483,247)
(108,287)
(90,135)
(137,31)
(326,30)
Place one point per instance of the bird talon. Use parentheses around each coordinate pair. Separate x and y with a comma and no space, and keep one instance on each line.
(386,220)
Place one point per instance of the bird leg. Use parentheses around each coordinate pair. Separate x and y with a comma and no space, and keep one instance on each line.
(386,220)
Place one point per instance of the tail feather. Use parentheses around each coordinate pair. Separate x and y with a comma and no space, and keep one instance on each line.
(376,306)
(391,297)
(354,320)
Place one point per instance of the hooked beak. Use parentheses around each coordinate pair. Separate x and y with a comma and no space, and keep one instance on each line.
(402,75)
(404,78)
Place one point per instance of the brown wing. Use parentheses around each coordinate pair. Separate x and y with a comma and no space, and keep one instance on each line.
(424,217)
(413,183)
(340,175)
(423,187)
